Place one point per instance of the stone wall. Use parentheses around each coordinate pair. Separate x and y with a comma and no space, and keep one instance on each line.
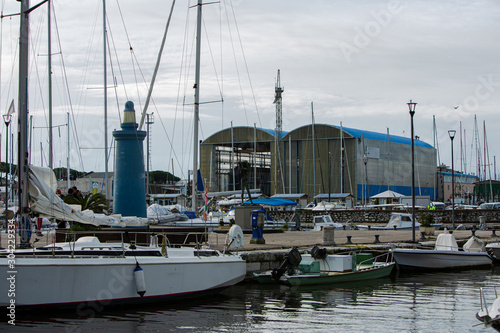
(468,216)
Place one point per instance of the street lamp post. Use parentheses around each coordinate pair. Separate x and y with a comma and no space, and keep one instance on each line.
(7,118)
(365,193)
(452,133)
(412,106)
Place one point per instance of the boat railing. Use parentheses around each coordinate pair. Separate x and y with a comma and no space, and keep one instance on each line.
(388,259)
(140,238)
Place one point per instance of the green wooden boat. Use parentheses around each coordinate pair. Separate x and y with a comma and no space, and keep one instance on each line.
(364,273)
(320,268)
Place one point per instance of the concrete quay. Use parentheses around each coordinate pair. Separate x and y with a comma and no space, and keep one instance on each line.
(263,257)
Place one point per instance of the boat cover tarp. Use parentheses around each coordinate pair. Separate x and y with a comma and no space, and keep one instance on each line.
(163,214)
(474,244)
(446,241)
(272,202)
(44,201)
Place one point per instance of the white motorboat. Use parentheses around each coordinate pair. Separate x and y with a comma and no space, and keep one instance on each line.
(445,255)
(87,271)
(321,221)
(398,221)
(494,250)
(325,205)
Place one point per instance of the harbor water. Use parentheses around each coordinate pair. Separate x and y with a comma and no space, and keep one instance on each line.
(405,302)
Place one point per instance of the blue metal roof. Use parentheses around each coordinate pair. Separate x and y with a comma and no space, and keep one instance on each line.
(333,196)
(383,137)
(272,202)
(273,132)
(457,174)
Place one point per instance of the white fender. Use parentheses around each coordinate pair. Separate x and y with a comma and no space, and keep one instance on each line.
(140,281)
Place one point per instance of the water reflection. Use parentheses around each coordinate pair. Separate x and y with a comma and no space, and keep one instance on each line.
(414,302)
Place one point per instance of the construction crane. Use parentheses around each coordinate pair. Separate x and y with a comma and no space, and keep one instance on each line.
(278,170)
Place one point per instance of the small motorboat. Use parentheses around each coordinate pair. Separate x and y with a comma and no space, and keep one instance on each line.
(398,221)
(321,221)
(445,254)
(319,267)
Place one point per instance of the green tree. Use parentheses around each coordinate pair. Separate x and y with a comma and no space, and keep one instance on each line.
(62,173)
(162,177)
(94,202)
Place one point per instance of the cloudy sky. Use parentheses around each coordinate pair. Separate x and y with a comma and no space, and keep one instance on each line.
(360,62)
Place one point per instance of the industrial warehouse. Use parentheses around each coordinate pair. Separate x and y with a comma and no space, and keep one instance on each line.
(315,159)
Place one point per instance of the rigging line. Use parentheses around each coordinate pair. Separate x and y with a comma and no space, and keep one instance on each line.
(185,67)
(1,48)
(115,85)
(14,58)
(75,133)
(119,66)
(158,113)
(34,64)
(137,88)
(108,31)
(245,61)
(221,65)
(185,70)
(212,57)
(238,73)
(157,65)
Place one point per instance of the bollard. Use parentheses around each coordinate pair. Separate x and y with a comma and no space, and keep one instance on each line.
(349,239)
(376,239)
(451,232)
(473,232)
(422,236)
(493,233)
(395,227)
(328,235)
(369,227)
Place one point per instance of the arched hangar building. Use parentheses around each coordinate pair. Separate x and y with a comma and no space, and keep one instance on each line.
(345,160)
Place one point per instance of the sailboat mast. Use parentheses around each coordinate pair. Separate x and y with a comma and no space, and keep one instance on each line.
(340,160)
(49,54)
(105,102)
(196,107)
(68,168)
(314,152)
(22,169)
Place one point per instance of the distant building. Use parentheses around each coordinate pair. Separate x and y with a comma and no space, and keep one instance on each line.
(464,187)
(340,156)
(91,180)
(487,191)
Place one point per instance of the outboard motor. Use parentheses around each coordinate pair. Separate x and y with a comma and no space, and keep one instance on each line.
(292,261)
(318,253)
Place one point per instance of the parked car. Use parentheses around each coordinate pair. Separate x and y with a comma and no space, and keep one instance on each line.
(489,205)
(437,205)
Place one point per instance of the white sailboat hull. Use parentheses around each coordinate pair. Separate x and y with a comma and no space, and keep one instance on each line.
(439,259)
(74,281)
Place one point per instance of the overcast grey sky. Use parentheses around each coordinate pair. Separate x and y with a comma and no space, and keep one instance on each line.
(360,62)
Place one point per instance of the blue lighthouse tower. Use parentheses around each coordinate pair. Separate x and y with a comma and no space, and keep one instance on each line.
(129,183)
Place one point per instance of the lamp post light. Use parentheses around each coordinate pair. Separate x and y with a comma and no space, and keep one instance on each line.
(452,133)
(365,194)
(412,106)
(7,119)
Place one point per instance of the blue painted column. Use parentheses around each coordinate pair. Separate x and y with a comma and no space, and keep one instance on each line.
(129,183)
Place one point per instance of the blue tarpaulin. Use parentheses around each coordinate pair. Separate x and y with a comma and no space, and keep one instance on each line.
(272,202)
